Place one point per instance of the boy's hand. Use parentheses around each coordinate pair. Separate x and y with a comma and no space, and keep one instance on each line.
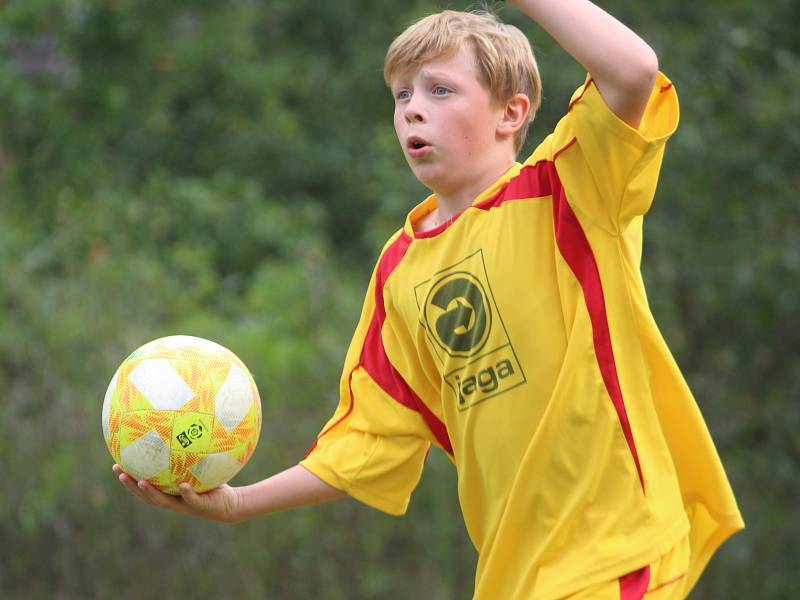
(220,504)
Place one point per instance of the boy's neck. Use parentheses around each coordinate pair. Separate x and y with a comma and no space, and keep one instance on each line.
(453,202)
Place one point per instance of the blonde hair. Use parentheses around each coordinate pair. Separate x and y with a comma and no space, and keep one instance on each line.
(505,61)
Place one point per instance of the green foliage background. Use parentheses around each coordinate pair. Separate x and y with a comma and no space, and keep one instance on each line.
(229,170)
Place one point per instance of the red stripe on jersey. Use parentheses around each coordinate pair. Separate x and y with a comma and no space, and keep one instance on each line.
(633,586)
(577,252)
(664,584)
(373,354)
(541,180)
(532,181)
(421,235)
(343,417)
(564,147)
(583,91)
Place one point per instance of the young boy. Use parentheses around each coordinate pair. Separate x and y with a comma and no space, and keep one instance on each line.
(507,323)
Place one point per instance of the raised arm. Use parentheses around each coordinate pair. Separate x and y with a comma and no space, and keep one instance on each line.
(292,488)
(622,65)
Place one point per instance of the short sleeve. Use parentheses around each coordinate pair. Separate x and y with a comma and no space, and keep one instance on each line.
(375,444)
(609,169)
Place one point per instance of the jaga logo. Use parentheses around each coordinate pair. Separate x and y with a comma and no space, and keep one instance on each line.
(458,314)
(191,434)
(466,332)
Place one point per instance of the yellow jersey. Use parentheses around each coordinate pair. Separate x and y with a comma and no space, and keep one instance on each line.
(518,339)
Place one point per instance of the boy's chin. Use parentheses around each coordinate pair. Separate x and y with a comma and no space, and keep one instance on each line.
(431,178)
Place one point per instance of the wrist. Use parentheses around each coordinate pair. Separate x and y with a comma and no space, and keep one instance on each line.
(236,509)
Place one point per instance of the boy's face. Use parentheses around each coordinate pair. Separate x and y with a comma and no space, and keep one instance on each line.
(446,122)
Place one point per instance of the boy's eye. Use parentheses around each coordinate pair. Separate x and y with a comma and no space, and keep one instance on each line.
(440,90)
(403,95)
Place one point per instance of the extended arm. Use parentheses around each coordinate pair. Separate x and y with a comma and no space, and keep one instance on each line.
(292,488)
(622,65)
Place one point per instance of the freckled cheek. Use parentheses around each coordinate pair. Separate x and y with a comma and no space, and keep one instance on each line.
(470,138)
(397,124)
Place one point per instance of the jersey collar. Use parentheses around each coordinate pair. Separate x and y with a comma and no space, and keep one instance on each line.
(429,205)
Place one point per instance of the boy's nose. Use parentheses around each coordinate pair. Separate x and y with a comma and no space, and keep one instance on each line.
(414,114)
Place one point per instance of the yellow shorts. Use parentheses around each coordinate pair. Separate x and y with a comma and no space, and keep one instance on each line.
(664,579)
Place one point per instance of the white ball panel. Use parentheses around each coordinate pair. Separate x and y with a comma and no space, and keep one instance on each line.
(107,404)
(160,384)
(146,457)
(215,469)
(234,399)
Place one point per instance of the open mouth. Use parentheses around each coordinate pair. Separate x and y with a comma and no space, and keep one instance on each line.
(416,144)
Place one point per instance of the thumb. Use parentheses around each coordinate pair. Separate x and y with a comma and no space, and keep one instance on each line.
(190,497)
(213,504)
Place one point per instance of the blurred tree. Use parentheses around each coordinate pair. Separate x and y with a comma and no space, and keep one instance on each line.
(230,170)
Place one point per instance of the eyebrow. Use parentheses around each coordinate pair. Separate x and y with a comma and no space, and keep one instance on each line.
(435,74)
(427,74)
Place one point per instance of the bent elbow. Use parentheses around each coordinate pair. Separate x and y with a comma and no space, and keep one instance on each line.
(634,88)
(651,64)
(644,74)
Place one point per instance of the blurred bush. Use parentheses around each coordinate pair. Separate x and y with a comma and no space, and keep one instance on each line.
(229,170)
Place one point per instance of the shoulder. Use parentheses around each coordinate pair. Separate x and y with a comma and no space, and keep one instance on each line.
(588,111)
(392,254)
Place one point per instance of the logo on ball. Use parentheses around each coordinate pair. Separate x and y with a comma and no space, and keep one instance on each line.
(192,433)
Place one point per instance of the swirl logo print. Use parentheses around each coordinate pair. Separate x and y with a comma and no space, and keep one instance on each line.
(466,332)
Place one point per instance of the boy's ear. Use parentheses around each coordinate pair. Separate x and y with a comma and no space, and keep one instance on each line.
(514,115)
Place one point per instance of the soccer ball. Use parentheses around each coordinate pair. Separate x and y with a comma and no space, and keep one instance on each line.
(182,409)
